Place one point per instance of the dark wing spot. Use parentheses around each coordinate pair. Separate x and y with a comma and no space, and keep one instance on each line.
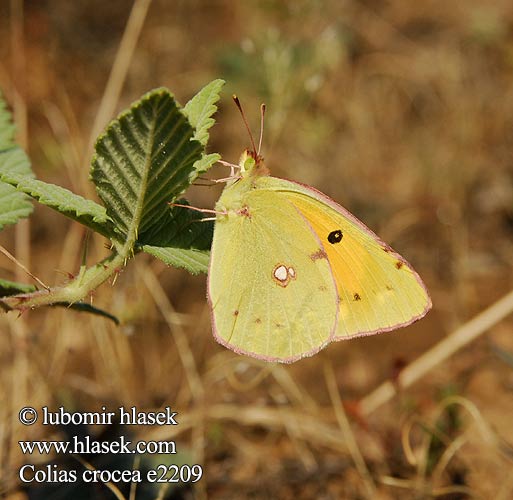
(389,287)
(320,254)
(335,236)
(236,313)
(278,325)
(322,288)
(258,321)
(244,211)
(386,249)
(399,264)
(356,296)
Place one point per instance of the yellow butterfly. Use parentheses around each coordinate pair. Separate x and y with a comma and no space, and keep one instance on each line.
(291,271)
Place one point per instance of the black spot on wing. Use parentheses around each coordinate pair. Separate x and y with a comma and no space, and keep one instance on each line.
(335,236)
(356,296)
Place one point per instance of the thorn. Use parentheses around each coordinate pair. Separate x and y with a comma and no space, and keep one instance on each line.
(21,266)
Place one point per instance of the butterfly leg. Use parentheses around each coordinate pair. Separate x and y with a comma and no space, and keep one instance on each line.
(232,166)
(203,210)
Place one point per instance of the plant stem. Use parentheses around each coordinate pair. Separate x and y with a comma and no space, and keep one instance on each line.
(72,292)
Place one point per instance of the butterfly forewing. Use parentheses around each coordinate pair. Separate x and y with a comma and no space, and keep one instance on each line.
(378,290)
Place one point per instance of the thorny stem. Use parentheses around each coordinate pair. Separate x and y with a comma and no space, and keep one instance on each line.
(72,292)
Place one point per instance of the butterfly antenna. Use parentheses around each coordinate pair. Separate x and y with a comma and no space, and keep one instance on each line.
(262,113)
(239,106)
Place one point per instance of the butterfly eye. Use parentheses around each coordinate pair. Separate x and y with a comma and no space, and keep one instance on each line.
(335,236)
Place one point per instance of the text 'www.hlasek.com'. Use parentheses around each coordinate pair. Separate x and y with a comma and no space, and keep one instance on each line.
(81,445)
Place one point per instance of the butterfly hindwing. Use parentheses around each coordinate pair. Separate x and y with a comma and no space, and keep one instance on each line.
(271,287)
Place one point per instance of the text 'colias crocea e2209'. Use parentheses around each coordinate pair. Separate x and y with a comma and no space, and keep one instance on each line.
(291,271)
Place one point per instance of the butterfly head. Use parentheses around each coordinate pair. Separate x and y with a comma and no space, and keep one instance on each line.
(252,164)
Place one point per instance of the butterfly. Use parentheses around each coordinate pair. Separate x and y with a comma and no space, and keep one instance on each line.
(291,270)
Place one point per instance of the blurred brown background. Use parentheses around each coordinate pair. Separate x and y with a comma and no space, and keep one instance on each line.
(402,112)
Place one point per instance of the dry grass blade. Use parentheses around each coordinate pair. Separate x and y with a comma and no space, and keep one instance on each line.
(133,486)
(486,432)
(22,267)
(302,449)
(456,491)
(182,344)
(406,442)
(112,487)
(311,428)
(120,67)
(345,426)
(22,229)
(447,456)
(439,353)
(423,480)
(162,491)
(241,386)
(397,483)
(295,393)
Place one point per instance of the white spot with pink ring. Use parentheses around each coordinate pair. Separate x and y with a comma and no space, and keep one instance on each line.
(282,274)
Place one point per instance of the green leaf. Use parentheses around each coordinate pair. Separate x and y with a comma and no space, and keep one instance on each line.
(13,204)
(194,261)
(205,162)
(143,161)
(7,128)
(182,240)
(84,307)
(201,107)
(71,205)
(8,288)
